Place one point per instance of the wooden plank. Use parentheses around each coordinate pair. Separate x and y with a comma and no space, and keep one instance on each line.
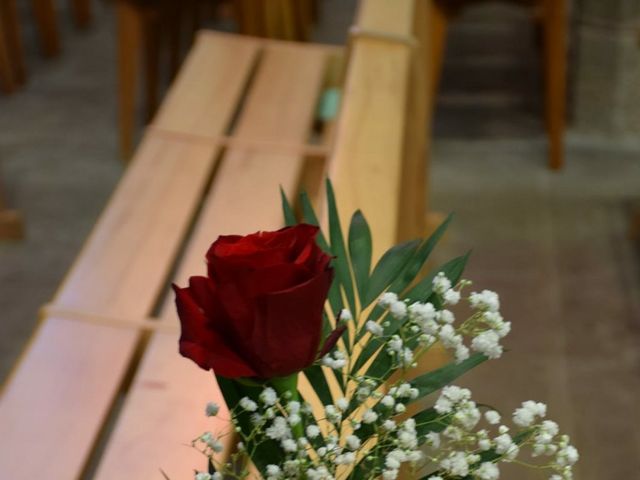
(164,412)
(366,164)
(56,401)
(244,198)
(126,260)
(205,94)
(282,101)
(393,18)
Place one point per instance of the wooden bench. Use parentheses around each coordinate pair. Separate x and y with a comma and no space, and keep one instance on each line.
(101,391)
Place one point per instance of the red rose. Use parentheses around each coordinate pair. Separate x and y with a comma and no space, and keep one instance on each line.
(258,313)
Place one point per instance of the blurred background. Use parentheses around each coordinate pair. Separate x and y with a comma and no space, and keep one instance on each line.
(559,244)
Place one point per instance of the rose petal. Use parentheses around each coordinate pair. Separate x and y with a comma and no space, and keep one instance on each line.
(204,345)
(288,326)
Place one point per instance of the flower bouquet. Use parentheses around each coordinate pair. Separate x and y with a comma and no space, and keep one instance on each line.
(317,353)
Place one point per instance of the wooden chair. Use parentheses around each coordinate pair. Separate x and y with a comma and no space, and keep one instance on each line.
(11,224)
(552,15)
(280,19)
(12,68)
(236,125)
(145,25)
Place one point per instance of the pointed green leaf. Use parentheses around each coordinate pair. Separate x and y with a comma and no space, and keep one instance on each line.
(310,217)
(341,262)
(388,268)
(437,379)
(430,421)
(415,264)
(289,216)
(360,251)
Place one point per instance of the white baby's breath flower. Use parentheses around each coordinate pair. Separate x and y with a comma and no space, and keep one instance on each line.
(400,408)
(446,317)
(289,445)
(398,310)
(456,464)
(389,425)
(387,298)
(212,409)
(422,312)
(202,476)
(488,344)
(248,404)
(345,315)
(369,416)
(353,442)
(487,471)
(333,414)
(390,474)
(375,329)
(441,283)
(342,404)
(273,470)
(388,401)
(268,396)
(485,300)
(432,439)
(462,353)
(279,429)
(526,415)
(313,431)
(451,297)
(492,417)
(294,419)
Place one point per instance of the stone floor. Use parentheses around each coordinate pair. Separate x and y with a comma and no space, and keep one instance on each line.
(553,244)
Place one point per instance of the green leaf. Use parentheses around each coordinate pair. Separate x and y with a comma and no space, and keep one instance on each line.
(388,268)
(360,251)
(430,421)
(437,379)
(310,217)
(422,292)
(415,264)
(341,262)
(289,216)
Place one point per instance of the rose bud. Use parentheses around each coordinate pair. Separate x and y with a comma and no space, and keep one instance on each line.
(259,311)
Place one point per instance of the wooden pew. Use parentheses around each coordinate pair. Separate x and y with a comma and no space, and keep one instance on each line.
(101,389)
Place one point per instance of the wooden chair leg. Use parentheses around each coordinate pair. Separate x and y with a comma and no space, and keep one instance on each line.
(438,19)
(7,83)
(151,45)
(45,15)
(173,24)
(555,72)
(250,18)
(13,37)
(129,46)
(81,10)
(304,19)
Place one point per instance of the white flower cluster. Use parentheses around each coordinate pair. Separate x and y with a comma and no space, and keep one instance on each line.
(423,324)
(456,439)
(459,450)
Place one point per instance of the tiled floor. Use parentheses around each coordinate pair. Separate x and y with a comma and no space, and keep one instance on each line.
(553,244)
